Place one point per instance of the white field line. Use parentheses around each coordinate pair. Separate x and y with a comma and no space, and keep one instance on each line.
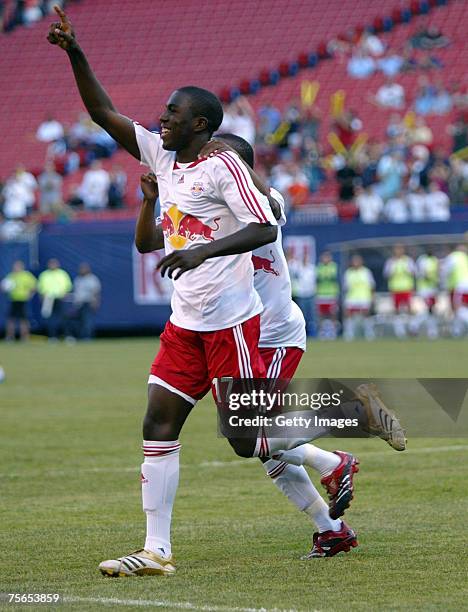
(215,464)
(175,605)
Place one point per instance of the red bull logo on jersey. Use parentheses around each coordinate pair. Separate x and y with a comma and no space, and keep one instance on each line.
(197,189)
(179,228)
(264,264)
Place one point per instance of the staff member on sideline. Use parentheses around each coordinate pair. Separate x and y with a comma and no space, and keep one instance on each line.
(53,285)
(20,285)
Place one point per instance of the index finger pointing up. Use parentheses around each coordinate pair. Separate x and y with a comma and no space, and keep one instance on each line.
(61,14)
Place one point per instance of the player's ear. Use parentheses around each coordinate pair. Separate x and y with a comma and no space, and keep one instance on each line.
(200,124)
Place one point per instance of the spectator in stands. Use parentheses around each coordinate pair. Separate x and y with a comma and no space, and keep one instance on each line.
(458,180)
(358,287)
(100,144)
(19,194)
(86,301)
(426,97)
(117,187)
(239,119)
(269,119)
(390,95)
(50,188)
(94,189)
(459,133)
(346,177)
(396,209)
(302,273)
(399,270)
(390,65)
(369,163)
(370,204)
(437,204)
(74,200)
(443,100)
(327,296)
(20,285)
(391,170)
(421,133)
(32,12)
(298,189)
(360,65)
(429,37)
(416,200)
(53,285)
(396,126)
(371,44)
(49,130)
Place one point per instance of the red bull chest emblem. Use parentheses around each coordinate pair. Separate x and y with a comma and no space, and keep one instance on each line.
(264,264)
(197,189)
(179,228)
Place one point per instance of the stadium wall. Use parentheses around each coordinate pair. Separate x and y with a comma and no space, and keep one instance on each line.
(133,296)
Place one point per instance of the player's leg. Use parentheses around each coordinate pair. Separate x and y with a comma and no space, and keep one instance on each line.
(293,480)
(178,379)
(10,329)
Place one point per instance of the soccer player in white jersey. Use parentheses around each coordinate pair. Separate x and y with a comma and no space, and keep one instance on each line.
(282,344)
(213,217)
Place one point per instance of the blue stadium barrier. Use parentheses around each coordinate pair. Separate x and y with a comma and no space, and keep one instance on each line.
(129,285)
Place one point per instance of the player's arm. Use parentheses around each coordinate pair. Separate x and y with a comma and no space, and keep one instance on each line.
(249,238)
(214,147)
(94,96)
(148,235)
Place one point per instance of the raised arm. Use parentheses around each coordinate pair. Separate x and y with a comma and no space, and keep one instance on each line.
(94,96)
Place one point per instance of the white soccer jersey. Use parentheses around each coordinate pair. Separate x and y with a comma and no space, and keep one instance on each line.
(202,201)
(281,322)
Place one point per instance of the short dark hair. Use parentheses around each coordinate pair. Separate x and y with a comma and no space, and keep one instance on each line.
(240,145)
(204,103)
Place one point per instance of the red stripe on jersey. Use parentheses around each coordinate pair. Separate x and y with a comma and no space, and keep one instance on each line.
(244,192)
(250,194)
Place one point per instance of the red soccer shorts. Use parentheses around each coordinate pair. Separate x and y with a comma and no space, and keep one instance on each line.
(281,362)
(188,360)
(402,300)
(327,308)
(356,310)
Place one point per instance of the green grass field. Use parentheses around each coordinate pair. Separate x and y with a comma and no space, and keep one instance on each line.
(70,496)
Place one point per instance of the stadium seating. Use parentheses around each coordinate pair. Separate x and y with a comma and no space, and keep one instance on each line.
(198,43)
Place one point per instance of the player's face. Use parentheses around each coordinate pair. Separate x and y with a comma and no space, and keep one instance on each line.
(176,123)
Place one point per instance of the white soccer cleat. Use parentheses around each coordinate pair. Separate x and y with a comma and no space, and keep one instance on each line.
(139,563)
(381,422)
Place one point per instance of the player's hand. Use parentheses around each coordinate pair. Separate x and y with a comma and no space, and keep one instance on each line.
(61,32)
(149,186)
(214,147)
(181,261)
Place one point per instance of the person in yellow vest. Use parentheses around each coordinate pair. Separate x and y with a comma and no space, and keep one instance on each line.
(53,285)
(327,295)
(456,281)
(427,287)
(20,286)
(400,271)
(358,285)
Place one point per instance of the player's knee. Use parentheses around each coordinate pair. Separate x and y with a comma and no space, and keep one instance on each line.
(157,428)
(243,447)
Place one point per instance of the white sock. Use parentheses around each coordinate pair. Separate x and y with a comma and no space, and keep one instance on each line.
(307,454)
(294,482)
(318,512)
(159,481)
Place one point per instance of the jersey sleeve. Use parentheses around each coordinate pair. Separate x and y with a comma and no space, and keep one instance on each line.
(276,195)
(150,146)
(234,185)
